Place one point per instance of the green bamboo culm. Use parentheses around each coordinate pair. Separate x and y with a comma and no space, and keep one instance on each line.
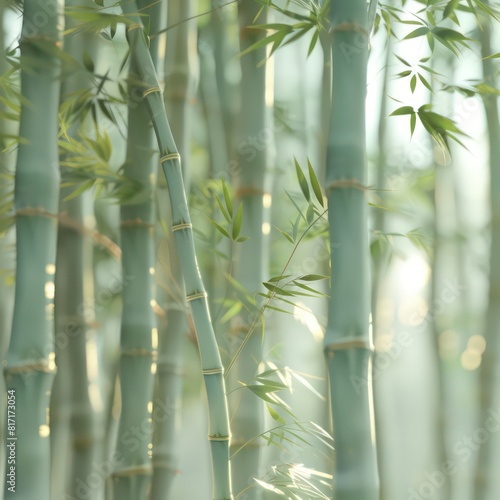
(30,366)
(348,343)
(171,292)
(487,471)
(132,478)
(75,395)
(252,264)
(211,362)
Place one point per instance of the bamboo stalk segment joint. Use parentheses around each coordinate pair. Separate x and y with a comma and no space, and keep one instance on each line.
(343,344)
(35,212)
(350,27)
(152,90)
(40,366)
(137,352)
(195,296)
(183,225)
(138,470)
(346,183)
(135,223)
(213,371)
(250,191)
(170,157)
(133,26)
(219,438)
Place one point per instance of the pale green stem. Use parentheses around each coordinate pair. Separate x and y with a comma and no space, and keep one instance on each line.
(348,343)
(488,457)
(30,360)
(133,475)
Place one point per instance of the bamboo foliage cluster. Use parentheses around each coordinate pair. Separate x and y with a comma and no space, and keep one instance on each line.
(139,171)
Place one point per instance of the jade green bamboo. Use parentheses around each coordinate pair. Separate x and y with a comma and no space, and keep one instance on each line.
(252,262)
(487,471)
(30,360)
(441,180)
(72,290)
(217,146)
(133,475)
(181,74)
(168,385)
(171,293)
(211,362)
(222,25)
(380,259)
(348,343)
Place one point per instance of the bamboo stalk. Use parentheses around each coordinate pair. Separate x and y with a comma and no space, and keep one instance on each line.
(74,382)
(30,364)
(380,262)
(136,367)
(252,263)
(168,385)
(348,343)
(181,74)
(486,471)
(172,327)
(211,362)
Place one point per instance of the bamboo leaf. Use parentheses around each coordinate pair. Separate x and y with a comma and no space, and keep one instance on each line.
(87,62)
(403,110)
(302,181)
(232,312)
(416,33)
(227,198)
(313,277)
(315,184)
(238,218)
(275,415)
(219,228)
(310,213)
(413,122)
(413,83)
(222,209)
(286,235)
(314,40)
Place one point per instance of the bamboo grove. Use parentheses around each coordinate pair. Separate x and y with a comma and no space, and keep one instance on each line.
(249,249)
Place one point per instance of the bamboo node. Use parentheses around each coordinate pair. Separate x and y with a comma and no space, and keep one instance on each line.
(35,212)
(133,26)
(138,470)
(137,352)
(219,438)
(135,223)
(346,183)
(167,466)
(170,156)
(40,366)
(152,90)
(183,225)
(343,344)
(198,295)
(250,191)
(350,27)
(213,371)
